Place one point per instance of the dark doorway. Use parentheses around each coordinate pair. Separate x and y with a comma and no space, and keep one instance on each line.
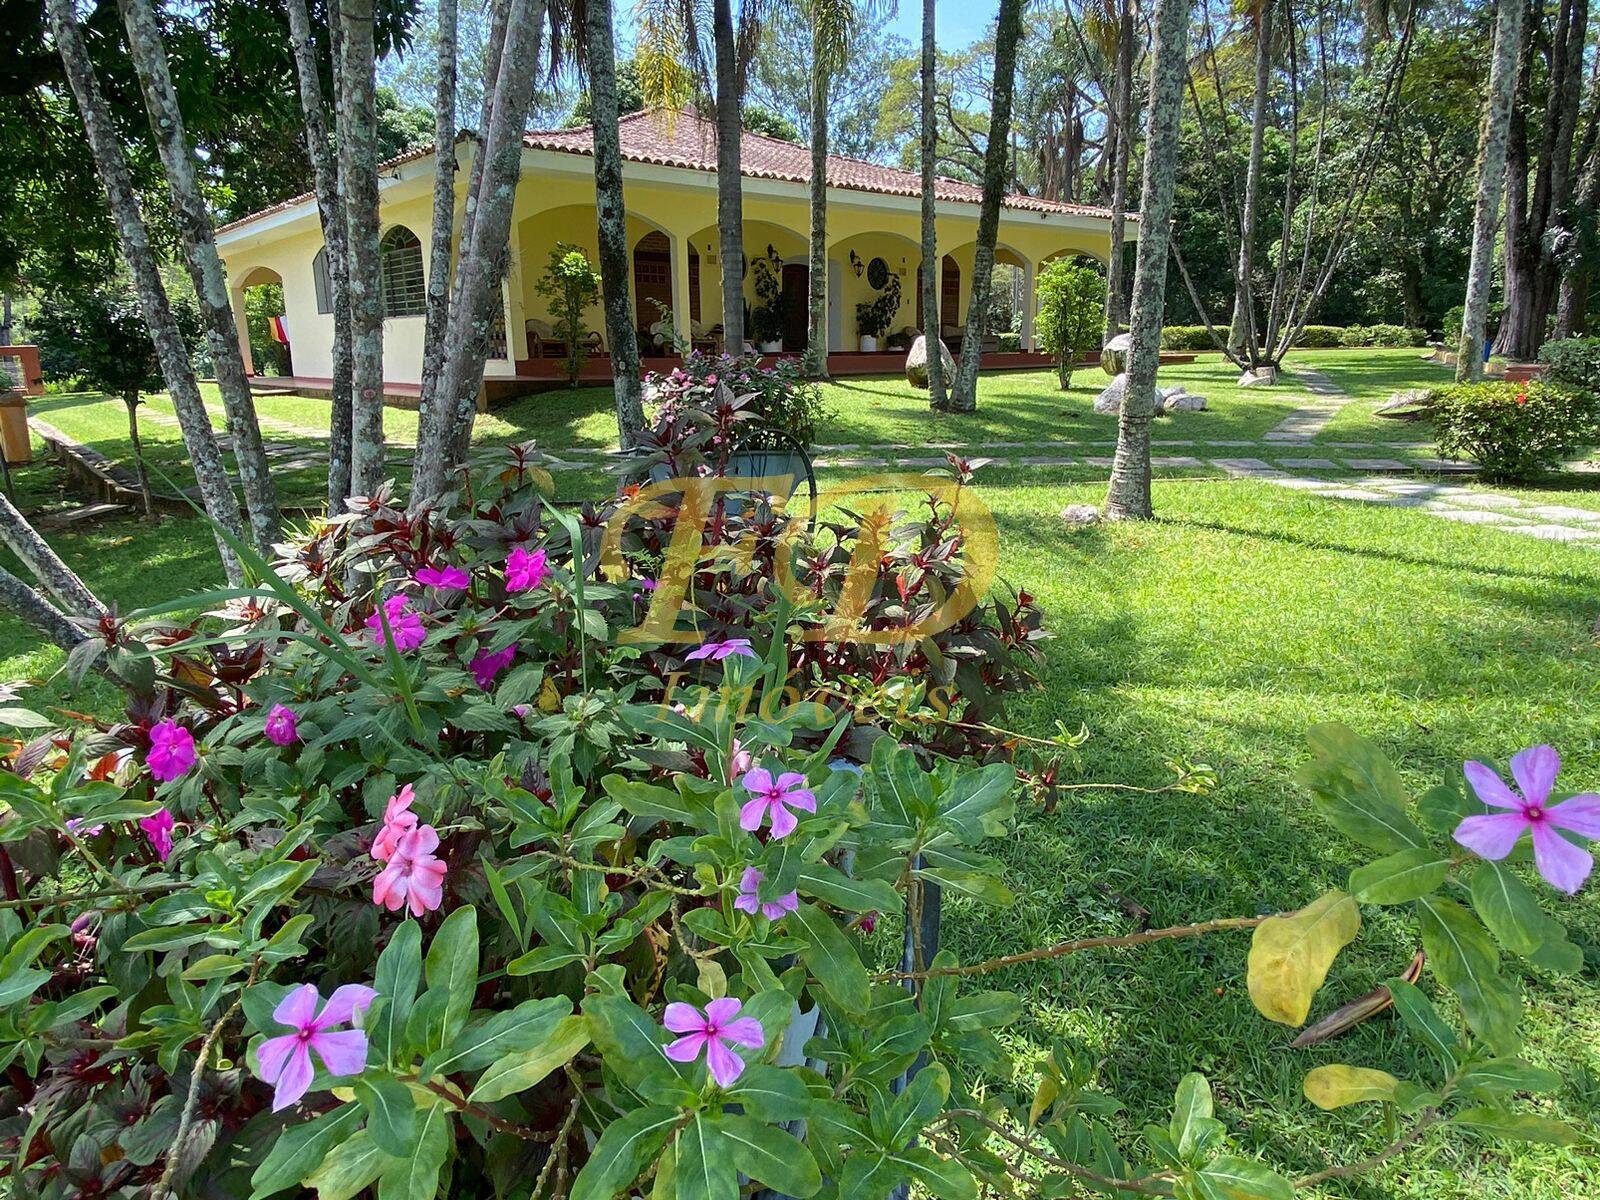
(652,281)
(796,305)
(949,294)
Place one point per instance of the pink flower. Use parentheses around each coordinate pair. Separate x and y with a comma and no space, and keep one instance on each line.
(404,625)
(443,579)
(774,798)
(282,726)
(158,828)
(711,1032)
(77,828)
(740,760)
(749,898)
(717,651)
(285,1061)
(398,820)
(486,666)
(172,751)
(1493,835)
(413,875)
(526,569)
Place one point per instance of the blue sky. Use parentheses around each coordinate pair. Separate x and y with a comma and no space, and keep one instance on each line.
(956,22)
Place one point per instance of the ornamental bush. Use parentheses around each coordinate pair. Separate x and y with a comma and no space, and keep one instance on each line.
(1072,301)
(1320,337)
(783,399)
(1574,363)
(1186,338)
(1515,430)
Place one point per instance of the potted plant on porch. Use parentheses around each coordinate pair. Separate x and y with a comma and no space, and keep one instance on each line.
(873,317)
(768,317)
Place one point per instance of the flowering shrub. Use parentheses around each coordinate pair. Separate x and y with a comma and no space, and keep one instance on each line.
(1515,430)
(779,397)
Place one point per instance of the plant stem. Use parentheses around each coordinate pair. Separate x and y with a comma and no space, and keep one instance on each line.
(1405,1141)
(1149,1185)
(526,1132)
(132,889)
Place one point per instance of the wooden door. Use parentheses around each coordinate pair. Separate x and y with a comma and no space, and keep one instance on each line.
(796,305)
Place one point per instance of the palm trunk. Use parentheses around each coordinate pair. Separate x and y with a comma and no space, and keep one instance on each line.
(437,321)
(131,400)
(612,219)
(205,270)
(1491,183)
(816,363)
(1008,30)
(1242,333)
(33,552)
(730,189)
(1122,103)
(358,184)
(1128,495)
(330,212)
(932,275)
(173,356)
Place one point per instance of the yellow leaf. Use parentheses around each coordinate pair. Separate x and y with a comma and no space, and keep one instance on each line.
(549,697)
(1049,1089)
(1335,1086)
(1290,955)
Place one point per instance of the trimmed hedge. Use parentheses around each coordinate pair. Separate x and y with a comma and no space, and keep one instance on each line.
(1515,430)
(1574,362)
(1312,337)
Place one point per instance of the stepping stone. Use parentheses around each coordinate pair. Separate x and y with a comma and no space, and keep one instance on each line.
(1096,461)
(1053,462)
(1307,485)
(1245,466)
(920,462)
(1354,493)
(1557,533)
(1405,489)
(1485,499)
(1561,512)
(1173,442)
(1309,464)
(852,462)
(1225,442)
(1176,460)
(1473,516)
(1377,464)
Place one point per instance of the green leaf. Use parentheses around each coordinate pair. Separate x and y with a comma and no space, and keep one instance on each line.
(1231,1178)
(628,1040)
(1357,790)
(622,1152)
(920,1101)
(839,890)
(1520,1127)
(1336,1085)
(1461,954)
(490,1036)
(452,964)
(398,973)
(769,1155)
(1508,1075)
(416,1176)
(986,1010)
(349,1168)
(979,804)
(944,1177)
(829,956)
(705,1169)
(648,800)
(1400,877)
(1192,1118)
(519,1071)
(1424,1021)
(1290,955)
(391,1112)
(870,1174)
(771,1094)
(300,1149)
(1504,903)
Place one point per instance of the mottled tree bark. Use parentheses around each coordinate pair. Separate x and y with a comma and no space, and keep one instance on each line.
(730,184)
(34,552)
(1242,338)
(932,274)
(1122,112)
(816,357)
(205,270)
(358,184)
(612,222)
(444,215)
(330,212)
(173,356)
(1008,30)
(1491,184)
(1128,495)
(18,598)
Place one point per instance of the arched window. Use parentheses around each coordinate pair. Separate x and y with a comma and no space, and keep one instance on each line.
(319,281)
(400,261)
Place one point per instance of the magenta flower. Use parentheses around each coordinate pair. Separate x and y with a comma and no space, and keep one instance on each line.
(1494,835)
(285,1061)
(172,751)
(283,727)
(404,625)
(717,651)
(526,569)
(486,666)
(158,828)
(774,798)
(398,820)
(712,1031)
(414,875)
(77,828)
(443,579)
(749,898)
(740,760)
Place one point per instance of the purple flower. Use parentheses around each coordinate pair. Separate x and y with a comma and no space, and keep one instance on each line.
(774,798)
(486,666)
(526,569)
(717,651)
(282,726)
(444,579)
(158,828)
(404,625)
(77,828)
(1493,835)
(171,751)
(712,1031)
(749,899)
(286,1061)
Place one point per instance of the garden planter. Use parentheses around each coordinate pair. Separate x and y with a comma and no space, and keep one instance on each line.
(771,347)
(869,344)
(17,446)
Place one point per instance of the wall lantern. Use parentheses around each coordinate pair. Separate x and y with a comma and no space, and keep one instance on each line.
(856,264)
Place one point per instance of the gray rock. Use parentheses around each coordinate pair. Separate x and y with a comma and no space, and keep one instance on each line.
(1114,354)
(1110,400)
(1183,402)
(1408,404)
(1260,377)
(1080,515)
(917,363)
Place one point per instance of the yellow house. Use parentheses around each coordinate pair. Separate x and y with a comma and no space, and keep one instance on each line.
(669,184)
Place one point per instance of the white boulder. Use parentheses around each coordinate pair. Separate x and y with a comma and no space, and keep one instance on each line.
(917,363)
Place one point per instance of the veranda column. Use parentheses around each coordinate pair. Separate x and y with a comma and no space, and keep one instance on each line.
(1027,305)
(242,324)
(680,288)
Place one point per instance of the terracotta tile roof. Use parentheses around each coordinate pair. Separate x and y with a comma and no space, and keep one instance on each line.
(687,140)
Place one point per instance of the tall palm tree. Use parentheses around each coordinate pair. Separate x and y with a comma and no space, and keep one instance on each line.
(931,273)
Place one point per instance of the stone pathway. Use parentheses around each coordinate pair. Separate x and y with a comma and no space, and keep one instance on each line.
(1306,422)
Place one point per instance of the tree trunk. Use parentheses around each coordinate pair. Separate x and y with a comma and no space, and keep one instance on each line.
(437,321)
(358,184)
(816,363)
(612,215)
(1573,304)
(131,400)
(18,598)
(1122,105)
(932,264)
(205,271)
(34,552)
(1008,30)
(1491,183)
(730,185)
(330,212)
(173,356)
(1241,334)
(1129,493)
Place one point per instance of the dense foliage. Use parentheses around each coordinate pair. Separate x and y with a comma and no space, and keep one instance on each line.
(571,285)
(1515,430)
(1072,299)
(781,398)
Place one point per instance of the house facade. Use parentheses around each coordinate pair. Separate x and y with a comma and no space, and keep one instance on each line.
(669,184)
